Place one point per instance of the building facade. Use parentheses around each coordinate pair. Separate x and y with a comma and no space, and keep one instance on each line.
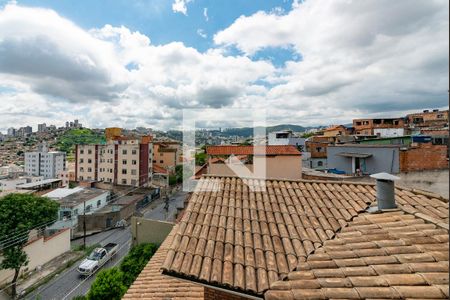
(286,137)
(45,163)
(368,126)
(167,155)
(123,161)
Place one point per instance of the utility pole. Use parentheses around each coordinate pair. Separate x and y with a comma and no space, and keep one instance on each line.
(84,224)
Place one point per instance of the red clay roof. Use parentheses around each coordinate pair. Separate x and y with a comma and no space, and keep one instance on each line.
(249,150)
(160,170)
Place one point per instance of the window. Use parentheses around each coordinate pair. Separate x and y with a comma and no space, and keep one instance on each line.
(124,162)
(99,202)
(81,170)
(89,169)
(154,161)
(124,152)
(89,151)
(134,152)
(134,162)
(319,149)
(320,163)
(124,181)
(89,161)
(133,182)
(81,151)
(124,171)
(81,160)
(161,161)
(133,172)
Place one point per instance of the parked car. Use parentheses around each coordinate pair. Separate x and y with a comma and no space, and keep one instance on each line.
(97,259)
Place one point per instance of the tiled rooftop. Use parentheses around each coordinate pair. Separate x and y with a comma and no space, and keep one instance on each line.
(391,255)
(250,150)
(151,284)
(249,241)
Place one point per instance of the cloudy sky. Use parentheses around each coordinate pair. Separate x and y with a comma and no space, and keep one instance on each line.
(141,62)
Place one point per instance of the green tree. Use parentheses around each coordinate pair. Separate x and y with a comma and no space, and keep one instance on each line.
(19,214)
(135,261)
(109,285)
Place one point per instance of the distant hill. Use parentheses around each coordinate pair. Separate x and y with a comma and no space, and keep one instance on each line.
(69,139)
(248,131)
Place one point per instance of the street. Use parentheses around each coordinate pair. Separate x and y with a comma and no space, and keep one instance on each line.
(69,284)
(160,213)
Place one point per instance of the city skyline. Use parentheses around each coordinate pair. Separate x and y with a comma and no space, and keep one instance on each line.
(145,61)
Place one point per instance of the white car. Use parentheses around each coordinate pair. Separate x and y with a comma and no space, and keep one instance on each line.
(97,259)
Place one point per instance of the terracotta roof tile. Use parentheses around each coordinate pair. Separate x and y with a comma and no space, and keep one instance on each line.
(401,265)
(151,284)
(264,234)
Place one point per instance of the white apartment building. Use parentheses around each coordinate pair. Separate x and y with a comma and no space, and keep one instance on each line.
(45,163)
(285,138)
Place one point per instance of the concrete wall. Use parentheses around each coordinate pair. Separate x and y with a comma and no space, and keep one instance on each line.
(389,132)
(280,167)
(149,231)
(383,159)
(40,252)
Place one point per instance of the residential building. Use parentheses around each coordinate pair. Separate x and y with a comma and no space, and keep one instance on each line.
(111,214)
(336,130)
(427,118)
(286,137)
(365,159)
(123,160)
(12,184)
(45,163)
(316,148)
(42,127)
(76,201)
(11,132)
(67,176)
(167,155)
(379,126)
(301,240)
(282,162)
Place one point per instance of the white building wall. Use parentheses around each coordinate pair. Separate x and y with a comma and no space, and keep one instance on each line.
(47,164)
(389,132)
(40,252)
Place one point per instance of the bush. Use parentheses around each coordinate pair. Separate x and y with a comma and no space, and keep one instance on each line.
(109,285)
(136,260)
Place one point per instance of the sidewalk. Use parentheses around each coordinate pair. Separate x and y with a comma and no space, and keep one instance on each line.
(47,271)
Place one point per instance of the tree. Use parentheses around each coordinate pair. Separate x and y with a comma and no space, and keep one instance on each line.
(109,284)
(136,260)
(19,214)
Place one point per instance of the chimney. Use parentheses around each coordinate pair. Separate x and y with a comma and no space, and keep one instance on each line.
(385,191)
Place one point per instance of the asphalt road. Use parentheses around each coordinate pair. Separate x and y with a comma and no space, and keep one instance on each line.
(160,213)
(69,284)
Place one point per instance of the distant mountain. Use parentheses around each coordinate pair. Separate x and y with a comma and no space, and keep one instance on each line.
(248,131)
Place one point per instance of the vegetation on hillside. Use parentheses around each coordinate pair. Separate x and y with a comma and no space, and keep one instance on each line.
(69,139)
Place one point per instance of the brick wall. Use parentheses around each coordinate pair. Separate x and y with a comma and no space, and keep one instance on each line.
(211,294)
(424,157)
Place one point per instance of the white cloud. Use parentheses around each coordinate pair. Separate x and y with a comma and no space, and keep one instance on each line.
(358,58)
(205,14)
(202,33)
(180,6)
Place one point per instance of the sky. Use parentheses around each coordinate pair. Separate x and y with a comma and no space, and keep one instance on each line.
(136,63)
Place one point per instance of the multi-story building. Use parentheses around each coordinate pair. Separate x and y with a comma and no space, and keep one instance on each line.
(435,118)
(12,131)
(382,127)
(122,160)
(42,127)
(284,138)
(167,155)
(45,163)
